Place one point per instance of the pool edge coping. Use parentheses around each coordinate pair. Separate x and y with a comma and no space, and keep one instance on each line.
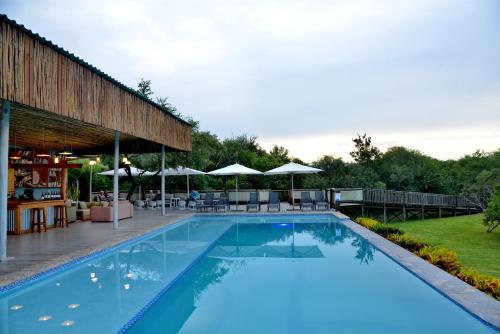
(475,302)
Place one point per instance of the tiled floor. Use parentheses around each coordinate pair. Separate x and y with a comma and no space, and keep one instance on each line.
(32,253)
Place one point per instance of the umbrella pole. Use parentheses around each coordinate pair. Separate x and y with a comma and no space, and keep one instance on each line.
(293,195)
(187,186)
(236,192)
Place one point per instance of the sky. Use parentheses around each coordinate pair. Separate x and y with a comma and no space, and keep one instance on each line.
(307,75)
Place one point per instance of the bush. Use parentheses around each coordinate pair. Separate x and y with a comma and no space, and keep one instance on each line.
(407,242)
(440,257)
(366,222)
(490,285)
(384,230)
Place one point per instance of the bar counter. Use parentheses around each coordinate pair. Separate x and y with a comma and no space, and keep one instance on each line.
(18,220)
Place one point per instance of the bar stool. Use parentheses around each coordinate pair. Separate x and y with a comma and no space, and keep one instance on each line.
(38,218)
(60,216)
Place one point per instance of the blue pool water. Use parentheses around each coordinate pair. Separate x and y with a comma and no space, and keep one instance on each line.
(279,274)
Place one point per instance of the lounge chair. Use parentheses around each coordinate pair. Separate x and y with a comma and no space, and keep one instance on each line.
(207,203)
(320,201)
(274,201)
(223,203)
(305,201)
(254,202)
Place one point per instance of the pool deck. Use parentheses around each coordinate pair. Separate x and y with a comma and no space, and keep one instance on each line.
(34,253)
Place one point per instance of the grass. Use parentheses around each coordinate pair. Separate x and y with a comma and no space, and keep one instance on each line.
(463,234)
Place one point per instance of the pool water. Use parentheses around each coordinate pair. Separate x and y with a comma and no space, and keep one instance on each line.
(274,274)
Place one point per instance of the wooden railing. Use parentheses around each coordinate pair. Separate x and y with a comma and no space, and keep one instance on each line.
(400,198)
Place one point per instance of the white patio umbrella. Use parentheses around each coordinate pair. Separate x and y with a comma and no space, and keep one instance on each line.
(179,171)
(293,168)
(134,171)
(235,170)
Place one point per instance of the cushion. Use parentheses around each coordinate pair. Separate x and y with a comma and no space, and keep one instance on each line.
(95,204)
(82,205)
(105,204)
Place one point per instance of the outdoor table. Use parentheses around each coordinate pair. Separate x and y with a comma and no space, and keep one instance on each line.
(175,201)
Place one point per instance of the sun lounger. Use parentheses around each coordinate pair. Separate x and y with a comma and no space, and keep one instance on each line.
(254,202)
(274,201)
(320,201)
(223,203)
(207,203)
(305,201)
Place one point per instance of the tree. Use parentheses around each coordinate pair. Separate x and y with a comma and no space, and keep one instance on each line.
(144,88)
(492,212)
(163,102)
(365,152)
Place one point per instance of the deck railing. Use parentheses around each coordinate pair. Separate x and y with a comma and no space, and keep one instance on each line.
(399,198)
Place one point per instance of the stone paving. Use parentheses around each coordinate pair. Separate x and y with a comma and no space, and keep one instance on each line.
(36,252)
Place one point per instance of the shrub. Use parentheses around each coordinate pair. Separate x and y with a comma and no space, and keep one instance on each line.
(384,230)
(407,242)
(488,284)
(440,257)
(366,222)
(377,227)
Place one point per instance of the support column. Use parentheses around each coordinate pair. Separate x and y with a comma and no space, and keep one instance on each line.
(115,179)
(162,190)
(4,171)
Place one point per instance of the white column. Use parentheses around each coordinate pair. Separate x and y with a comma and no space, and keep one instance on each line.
(115,179)
(4,171)
(90,183)
(163,180)
(236,192)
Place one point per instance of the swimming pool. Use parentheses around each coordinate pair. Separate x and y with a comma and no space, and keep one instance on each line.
(236,274)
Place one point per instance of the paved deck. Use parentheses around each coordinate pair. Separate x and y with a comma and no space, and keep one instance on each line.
(32,253)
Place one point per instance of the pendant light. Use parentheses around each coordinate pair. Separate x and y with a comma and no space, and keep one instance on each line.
(43,152)
(65,151)
(15,155)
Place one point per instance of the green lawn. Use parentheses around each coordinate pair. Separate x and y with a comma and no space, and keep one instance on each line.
(463,234)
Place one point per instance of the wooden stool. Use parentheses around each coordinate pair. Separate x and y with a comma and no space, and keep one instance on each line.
(60,218)
(38,218)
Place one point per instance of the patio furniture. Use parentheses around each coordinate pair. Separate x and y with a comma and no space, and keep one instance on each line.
(274,201)
(60,219)
(207,203)
(320,201)
(139,204)
(222,203)
(254,202)
(70,211)
(305,201)
(192,205)
(38,219)
(83,211)
(105,213)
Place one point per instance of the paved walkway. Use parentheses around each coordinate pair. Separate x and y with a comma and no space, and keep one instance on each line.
(32,253)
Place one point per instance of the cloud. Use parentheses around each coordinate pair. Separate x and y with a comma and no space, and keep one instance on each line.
(282,69)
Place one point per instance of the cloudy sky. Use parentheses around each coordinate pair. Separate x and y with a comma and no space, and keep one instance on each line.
(307,75)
